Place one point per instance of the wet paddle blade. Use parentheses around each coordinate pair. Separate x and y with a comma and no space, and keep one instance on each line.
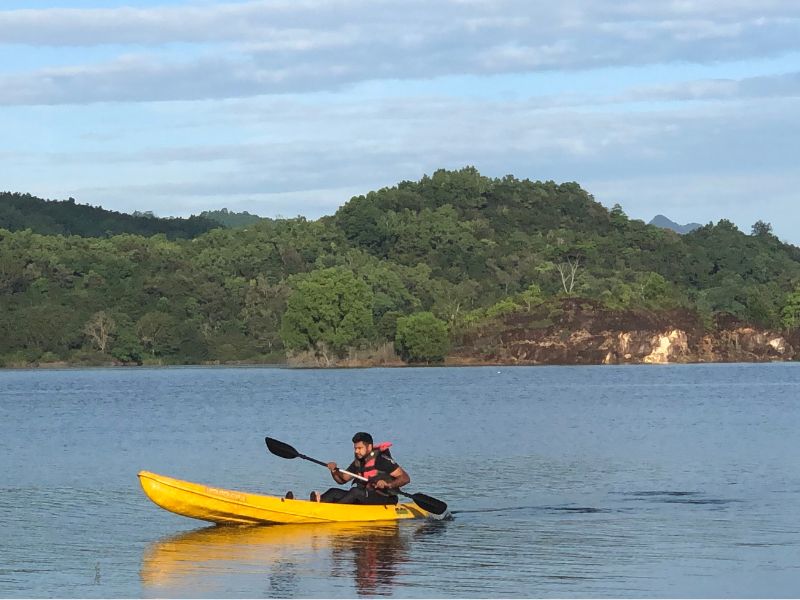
(281,449)
(428,503)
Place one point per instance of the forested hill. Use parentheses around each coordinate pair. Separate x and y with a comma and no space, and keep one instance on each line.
(498,236)
(231,219)
(66,217)
(435,257)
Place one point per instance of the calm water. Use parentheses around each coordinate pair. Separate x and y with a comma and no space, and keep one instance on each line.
(565,481)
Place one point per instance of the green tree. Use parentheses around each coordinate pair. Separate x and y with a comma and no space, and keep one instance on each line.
(618,216)
(327,309)
(506,306)
(790,313)
(760,228)
(264,305)
(422,337)
(156,332)
(127,348)
(532,296)
(655,291)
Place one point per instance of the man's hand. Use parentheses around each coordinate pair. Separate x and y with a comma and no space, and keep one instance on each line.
(382,484)
(335,473)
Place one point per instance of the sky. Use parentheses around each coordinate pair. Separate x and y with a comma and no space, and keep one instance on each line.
(290,107)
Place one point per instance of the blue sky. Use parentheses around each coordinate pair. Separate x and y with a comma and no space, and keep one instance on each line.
(280,108)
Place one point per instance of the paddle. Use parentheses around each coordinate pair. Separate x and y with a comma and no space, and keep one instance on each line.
(425,502)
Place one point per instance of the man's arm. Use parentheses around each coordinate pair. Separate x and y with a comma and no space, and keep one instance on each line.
(337,475)
(399,479)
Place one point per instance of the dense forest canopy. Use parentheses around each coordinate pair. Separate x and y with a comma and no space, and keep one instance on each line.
(452,250)
(229,218)
(66,217)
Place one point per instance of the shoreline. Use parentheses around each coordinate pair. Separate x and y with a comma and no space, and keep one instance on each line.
(584,333)
(454,363)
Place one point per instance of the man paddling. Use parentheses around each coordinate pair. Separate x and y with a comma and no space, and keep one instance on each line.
(377,465)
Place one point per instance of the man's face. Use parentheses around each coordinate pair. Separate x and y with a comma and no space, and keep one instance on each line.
(361,449)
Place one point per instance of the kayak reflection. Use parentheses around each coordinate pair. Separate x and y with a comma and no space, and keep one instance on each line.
(214,560)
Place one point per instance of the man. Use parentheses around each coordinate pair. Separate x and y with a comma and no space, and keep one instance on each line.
(377,465)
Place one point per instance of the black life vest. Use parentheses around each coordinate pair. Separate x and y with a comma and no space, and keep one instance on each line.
(367,467)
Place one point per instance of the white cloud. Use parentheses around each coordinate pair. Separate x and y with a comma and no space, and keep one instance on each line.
(655,158)
(765,86)
(585,133)
(256,48)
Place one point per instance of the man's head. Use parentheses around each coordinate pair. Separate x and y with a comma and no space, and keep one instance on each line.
(362,444)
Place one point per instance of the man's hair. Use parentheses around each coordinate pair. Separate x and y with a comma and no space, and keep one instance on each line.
(363,436)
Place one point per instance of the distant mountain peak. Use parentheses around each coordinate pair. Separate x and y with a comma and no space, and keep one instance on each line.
(665,223)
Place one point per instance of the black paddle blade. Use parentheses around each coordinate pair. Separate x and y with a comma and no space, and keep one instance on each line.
(281,449)
(429,504)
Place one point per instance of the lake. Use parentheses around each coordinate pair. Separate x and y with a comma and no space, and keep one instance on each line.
(623,481)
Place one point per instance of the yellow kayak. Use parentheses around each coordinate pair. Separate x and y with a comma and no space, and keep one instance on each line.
(230,507)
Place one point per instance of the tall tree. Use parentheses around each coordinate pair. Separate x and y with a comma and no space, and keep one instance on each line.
(99,329)
(761,228)
(422,337)
(328,309)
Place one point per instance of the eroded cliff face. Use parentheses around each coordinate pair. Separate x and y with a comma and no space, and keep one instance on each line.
(582,332)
